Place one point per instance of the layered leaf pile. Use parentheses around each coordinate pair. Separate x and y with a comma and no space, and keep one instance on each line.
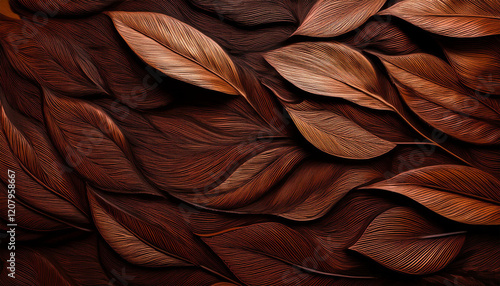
(251,142)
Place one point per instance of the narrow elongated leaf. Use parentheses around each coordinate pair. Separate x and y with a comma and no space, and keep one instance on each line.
(127,245)
(432,90)
(330,69)
(330,18)
(452,18)
(403,240)
(336,135)
(92,144)
(460,193)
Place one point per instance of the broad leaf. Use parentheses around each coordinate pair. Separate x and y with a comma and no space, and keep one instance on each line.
(432,90)
(404,241)
(330,69)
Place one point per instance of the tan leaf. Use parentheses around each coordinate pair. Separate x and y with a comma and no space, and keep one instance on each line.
(330,18)
(330,69)
(452,18)
(338,136)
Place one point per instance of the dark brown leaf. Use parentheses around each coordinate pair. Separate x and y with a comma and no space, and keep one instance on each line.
(403,240)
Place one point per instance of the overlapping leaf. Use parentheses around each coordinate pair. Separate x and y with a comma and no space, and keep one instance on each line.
(330,18)
(452,18)
(460,193)
(403,240)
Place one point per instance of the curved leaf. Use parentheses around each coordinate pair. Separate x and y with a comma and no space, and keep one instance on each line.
(452,18)
(330,69)
(432,90)
(330,18)
(336,135)
(54,62)
(460,193)
(403,240)
(184,53)
(476,61)
(92,144)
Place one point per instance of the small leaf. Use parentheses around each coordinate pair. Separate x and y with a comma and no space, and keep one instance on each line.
(331,18)
(459,193)
(452,18)
(404,241)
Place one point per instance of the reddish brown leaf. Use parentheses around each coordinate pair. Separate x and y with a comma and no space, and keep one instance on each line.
(460,193)
(403,240)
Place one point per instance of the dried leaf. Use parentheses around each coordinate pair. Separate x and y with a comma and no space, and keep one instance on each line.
(330,18)
(92,144)
(476,61)
(404,241)
(460,193)
(54,62)
(452,18)
(432,90)
(336,135)
(330,69)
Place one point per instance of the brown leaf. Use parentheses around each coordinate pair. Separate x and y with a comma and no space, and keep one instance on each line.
(336,135)
(452,18)
(330,18)
(384,37)
(92,144)
(33,149)
(476,61)
(404,241)
(184,53)
(150,233)
(330,69)
(52,61)
(432,90)
(459,193)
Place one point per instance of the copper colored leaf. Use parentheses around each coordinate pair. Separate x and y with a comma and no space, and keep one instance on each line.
(178,50)
(460,193)
(432,90)
(92,144)
(330,18)
(330,69)
(184,53)
(403,240)
(338,136)
(452,18)
(476,61)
